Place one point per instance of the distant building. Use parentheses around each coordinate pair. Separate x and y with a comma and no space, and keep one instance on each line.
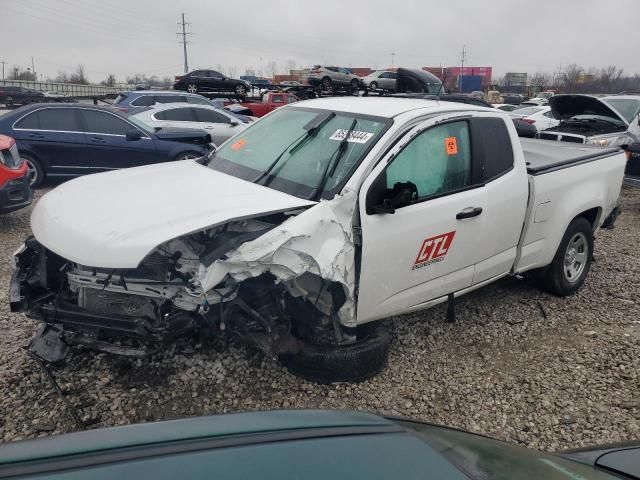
(361,71)
(450,76)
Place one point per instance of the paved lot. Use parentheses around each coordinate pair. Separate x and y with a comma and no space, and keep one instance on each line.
(518,364)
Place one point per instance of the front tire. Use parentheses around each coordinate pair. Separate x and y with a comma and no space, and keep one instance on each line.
(373,86)
(192,88)
(353,363)
(326,84)
(35,171)
(572,261)
(241,90)
(187,156)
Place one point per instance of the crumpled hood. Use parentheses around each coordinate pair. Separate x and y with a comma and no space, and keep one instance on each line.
(114,219)
(567,106)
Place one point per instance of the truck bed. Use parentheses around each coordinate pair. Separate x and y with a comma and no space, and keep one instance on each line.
(544,156)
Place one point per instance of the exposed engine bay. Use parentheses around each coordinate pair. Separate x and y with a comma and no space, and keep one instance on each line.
(589,125)
(267,280)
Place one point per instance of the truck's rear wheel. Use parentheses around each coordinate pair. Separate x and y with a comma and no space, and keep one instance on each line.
(572,261)
(355,362)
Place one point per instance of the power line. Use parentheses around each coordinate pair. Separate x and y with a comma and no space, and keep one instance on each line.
(184,42)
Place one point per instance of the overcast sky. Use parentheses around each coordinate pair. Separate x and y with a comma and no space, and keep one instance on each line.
(124,37)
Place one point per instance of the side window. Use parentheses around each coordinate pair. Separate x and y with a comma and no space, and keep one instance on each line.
(210,116)
(59,119)
(197,100)
(492,149)
(548,114)
(436,162)
(170,99)
(30,122)
(214,74)
(144,101)
(181,115)
(277,99)
(393,75)
(104,123)
(291,99)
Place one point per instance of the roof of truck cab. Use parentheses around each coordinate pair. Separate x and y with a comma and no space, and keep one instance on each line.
(384,106)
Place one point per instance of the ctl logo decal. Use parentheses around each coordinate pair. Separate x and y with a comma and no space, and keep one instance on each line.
(433,250)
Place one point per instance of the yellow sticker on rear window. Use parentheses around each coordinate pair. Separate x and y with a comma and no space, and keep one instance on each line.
(451,145)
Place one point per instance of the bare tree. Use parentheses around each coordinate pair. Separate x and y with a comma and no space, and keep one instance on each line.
(79,76)
(571,76)
(110,81)
(19,74)
(271,69)
(541,79)
(232,71)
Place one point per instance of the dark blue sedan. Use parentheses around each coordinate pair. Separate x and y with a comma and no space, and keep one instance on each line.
(71,140)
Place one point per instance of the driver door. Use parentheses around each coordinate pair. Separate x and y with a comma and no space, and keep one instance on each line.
(427,247)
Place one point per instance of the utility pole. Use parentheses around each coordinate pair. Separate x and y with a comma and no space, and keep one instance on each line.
(3,64)
(463,58)
(184,41)
(33,68)
(393,57)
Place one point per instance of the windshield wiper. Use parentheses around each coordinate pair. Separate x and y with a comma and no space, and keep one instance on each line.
(333,162)
(312,128)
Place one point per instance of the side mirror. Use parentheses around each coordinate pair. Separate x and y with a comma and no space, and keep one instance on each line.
(233,123)
(634,148)
(133,135)
(401,195)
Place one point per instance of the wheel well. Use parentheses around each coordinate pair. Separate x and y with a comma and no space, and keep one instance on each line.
(592,215)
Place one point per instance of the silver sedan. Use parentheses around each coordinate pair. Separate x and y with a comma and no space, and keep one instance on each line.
(380,80)
(220,124)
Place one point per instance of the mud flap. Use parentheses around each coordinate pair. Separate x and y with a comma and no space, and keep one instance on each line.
(48,346)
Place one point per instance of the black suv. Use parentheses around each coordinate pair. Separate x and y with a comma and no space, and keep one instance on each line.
(10,96)
(210,81)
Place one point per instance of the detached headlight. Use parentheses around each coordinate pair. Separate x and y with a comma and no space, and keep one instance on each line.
(600,142)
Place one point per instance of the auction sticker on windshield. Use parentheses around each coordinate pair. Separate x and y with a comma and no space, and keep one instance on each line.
(354,137)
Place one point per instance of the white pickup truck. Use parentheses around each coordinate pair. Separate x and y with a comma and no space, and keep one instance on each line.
(303,231)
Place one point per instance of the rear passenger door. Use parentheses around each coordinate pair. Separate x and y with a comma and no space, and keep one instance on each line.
(497,150)
(107,144)
(55,137)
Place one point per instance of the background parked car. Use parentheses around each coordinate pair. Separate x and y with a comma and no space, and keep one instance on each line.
(210,81)
(270,101)
(68,140)
(308,444)
(134,101)
(220,124)
(15,192)
(329,78)
(290,83)
(507,107)
(380,80)
(540,117)
(10,96)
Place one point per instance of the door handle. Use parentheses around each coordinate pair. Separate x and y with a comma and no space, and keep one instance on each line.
(36,135)
(469,212)
(97,140)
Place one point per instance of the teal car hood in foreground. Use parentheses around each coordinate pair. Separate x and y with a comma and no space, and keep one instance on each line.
(282,445)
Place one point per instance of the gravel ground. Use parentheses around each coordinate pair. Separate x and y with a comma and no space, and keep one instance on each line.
(518,364)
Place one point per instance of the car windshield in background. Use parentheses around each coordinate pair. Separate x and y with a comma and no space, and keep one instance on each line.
(139,123)
(627,107)
(527,110)
(481,457)
(298,151)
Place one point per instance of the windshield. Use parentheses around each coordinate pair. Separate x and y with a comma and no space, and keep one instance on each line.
(140,124)
(627,107)
(301,148)
(482,458)
(527,110)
